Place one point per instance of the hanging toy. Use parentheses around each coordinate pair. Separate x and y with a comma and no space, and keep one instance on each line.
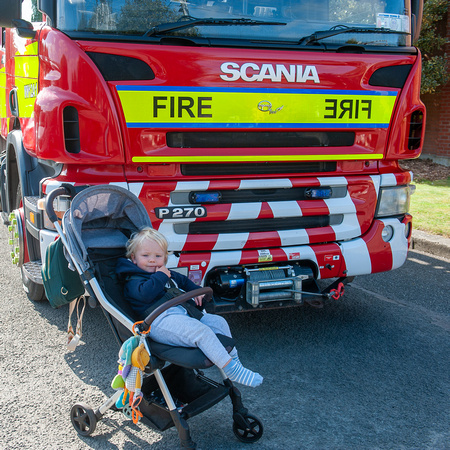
(133,357)
(125,354)
(133,382)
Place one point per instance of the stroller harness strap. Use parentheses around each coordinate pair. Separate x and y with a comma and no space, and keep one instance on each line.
(171,292)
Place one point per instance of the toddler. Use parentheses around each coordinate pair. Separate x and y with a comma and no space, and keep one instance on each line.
(148,284)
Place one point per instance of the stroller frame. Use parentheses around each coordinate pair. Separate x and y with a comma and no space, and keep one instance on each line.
(120,205)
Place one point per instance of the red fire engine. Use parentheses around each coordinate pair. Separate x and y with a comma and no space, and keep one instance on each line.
(263,137)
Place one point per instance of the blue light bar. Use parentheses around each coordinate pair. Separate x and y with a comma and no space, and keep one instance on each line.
(205,197)
(319,193)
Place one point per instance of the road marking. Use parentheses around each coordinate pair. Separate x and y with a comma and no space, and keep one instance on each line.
(440,320)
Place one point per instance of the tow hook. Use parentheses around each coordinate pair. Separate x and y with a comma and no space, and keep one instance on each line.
(336,294)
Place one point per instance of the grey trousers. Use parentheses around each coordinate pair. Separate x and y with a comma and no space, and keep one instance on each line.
(176,327)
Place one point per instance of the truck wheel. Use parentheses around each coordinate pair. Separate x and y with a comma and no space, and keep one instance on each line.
(4,209)
(35,291)
(3,206)
(30,270)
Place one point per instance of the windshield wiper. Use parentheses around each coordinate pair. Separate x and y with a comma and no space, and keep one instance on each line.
(340,29)
(192,22)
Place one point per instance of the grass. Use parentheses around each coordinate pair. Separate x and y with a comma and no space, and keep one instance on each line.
(430,207)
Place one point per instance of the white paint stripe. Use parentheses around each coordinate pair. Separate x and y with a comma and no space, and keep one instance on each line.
(135,188)
(176,241)
(285,209)
(226,241)
(306,253)
(265,184)
(398,243)
(192,185)
(348,229)
(46,237)
(172,261)
(53,184)
(293,237)
(333,181)
(244,211)
(356,257)
(343,205)
(376,180)
(388,179)
(224,259)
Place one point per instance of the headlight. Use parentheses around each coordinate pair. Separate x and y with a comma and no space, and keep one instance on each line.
(393,201)
(387,233)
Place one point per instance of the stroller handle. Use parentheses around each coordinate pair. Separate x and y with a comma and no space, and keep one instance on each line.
(207,291)
(64,189)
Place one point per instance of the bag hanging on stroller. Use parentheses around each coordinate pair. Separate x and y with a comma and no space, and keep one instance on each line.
(62,285)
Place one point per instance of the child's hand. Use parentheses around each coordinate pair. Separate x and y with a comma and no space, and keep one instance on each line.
(199,300)
(164,269)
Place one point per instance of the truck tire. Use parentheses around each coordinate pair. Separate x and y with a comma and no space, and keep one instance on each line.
(3,201)
(30,270)
(35,291)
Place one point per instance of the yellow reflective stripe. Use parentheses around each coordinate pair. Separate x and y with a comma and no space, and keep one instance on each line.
(2,93)
(27,90)
(254,158)
(30,49)
(26,78)
(239,108)
(26,66)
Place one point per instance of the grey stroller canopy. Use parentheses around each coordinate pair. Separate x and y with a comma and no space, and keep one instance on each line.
(102,217)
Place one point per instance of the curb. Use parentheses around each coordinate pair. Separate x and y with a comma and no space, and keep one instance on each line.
(430,243)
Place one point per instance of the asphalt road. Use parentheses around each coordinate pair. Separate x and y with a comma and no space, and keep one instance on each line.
(370,371)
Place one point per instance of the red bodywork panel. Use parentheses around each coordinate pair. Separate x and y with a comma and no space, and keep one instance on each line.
(201,69)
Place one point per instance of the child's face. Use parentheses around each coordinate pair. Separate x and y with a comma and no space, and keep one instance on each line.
(149,256)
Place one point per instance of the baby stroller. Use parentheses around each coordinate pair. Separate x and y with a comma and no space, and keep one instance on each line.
(94,232)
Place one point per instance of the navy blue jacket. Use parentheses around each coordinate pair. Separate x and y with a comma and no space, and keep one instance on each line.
(143,289)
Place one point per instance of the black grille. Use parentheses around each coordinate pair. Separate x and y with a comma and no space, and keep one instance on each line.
(415,130)
(71,129)
(259,139)
(121,68)
(392,76)
(257,168)
(257,225)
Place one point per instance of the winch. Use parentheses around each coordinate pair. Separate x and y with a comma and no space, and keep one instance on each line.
(273,283)
(252,286)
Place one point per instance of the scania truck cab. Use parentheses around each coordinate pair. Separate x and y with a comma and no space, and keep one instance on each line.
(263,137)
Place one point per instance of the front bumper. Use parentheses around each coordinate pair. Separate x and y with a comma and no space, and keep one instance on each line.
(361,256)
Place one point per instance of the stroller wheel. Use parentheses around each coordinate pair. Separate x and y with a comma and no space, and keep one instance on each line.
(83,419)
(247,428)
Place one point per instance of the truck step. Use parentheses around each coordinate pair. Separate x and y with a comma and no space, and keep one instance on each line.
(32,271)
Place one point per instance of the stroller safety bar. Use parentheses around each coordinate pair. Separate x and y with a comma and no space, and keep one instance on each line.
(145,325)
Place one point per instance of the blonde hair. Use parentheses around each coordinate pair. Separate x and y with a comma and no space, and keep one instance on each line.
(143,234)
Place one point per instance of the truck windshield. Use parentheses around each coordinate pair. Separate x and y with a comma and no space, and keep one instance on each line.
(308,22)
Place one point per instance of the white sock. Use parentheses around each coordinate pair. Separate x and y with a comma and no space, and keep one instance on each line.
(235,371)
(234,355)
